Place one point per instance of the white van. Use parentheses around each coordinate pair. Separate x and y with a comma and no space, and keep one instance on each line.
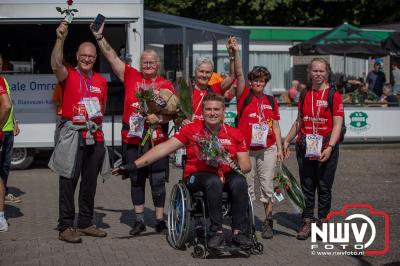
(28,35)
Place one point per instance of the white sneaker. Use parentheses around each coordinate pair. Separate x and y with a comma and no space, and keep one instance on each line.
(10,198)
(3,225)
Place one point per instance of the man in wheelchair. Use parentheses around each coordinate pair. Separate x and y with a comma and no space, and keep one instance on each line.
(206,172)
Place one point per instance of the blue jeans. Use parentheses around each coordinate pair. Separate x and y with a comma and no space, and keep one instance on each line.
(5,159)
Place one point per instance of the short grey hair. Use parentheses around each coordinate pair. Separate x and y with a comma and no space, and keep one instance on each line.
(204,60)
(153,53)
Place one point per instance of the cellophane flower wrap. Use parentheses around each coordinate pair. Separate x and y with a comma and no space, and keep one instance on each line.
(286,183)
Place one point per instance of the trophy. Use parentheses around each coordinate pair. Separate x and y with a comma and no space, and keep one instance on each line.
(69,12)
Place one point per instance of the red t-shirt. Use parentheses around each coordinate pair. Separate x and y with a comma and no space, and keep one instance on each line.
(198,96)
(323,121)
(229,137)
(132,79)
(259,110)
(76,87)
(3,86)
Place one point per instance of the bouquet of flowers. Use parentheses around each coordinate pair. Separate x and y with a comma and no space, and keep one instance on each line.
(159,102)
(287,183)
(213,152)
(69,12)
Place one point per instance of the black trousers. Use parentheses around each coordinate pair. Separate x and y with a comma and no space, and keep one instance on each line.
(88,165)
(315,175)
(211,186)
(157,173)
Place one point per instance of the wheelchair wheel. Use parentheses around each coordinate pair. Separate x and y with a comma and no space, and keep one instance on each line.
(199,251)
(257,249)
(179,216)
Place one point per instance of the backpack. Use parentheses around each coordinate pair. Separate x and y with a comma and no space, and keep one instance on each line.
(331,93)
(247,102)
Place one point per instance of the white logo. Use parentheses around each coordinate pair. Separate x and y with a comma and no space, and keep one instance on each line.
(253,115)
(340,232)
(225,141)
(95,89)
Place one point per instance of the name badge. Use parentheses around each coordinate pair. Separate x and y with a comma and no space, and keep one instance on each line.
(259,133)
(92,107)
(313,146)
(136,125)
(79,114)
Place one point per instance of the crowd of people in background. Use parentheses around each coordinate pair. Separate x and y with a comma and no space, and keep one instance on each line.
(374,90)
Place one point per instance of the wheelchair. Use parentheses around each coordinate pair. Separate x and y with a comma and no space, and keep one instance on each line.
(187,223)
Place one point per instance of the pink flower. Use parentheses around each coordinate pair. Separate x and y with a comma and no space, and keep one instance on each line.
(70,2)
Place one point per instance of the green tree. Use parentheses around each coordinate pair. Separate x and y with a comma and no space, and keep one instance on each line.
(327,13)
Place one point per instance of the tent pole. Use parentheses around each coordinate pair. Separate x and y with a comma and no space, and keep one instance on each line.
(344,71)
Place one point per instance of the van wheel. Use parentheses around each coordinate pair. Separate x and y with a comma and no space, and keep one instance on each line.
(21,158)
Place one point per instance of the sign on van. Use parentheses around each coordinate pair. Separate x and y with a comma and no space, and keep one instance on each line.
(32,91)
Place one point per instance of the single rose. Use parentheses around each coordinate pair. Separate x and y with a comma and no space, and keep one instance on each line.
(70,2)
(278,190)
(287,188)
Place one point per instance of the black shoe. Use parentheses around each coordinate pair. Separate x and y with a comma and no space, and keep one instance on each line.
(138,227)
(216,241)
(161,227)
(267,229)
(241,240)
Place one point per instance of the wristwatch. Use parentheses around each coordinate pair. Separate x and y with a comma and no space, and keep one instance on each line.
(332,146)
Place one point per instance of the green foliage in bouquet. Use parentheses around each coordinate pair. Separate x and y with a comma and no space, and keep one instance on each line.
(185,100)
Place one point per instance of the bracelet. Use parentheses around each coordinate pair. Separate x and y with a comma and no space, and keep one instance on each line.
(231,58)
(100,38)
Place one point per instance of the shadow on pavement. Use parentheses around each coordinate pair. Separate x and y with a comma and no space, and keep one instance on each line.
(98,220)
(288,220)
(128,216)
(16,191)
(12,212)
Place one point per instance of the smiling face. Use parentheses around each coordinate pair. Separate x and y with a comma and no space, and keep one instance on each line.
(213,113)
(258,84)
(86,57)
(203,75)
(318,73)
(149,64)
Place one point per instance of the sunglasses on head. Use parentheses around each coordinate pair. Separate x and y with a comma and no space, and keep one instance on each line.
(260,68)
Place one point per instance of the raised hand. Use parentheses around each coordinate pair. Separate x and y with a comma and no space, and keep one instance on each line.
(62,31)
(99,33)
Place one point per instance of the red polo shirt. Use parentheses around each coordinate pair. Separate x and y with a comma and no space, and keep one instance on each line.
(133,79)
(229,137)
(3,86)
(198,96)
(323,122)
(259,110)
(75,87)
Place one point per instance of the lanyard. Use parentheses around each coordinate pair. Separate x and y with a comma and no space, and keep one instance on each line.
(318,110)
(201,100)
(87,87)
(261,115)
